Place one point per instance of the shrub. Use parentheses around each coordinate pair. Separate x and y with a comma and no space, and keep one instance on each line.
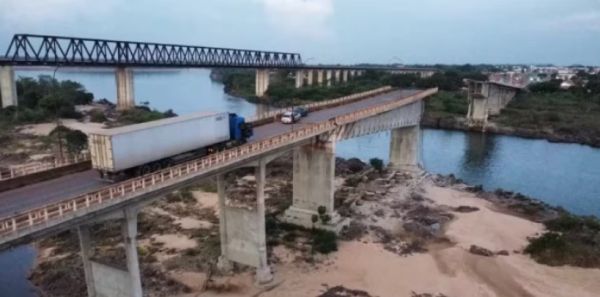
(571,240)
(377,164)
(75,140)
(324,241)
(97,116)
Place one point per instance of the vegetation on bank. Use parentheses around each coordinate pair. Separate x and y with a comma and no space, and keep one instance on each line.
(569,240)
(45,99)
(282,91)
(574,112)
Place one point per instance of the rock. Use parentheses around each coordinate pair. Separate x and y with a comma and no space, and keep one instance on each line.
(466,209)
(477,250)
(474,189)
(380,213)
(502,253)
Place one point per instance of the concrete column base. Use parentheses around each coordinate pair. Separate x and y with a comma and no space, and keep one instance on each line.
(405,149)
(313,187)
(264,275)
(224,265)
(304,218)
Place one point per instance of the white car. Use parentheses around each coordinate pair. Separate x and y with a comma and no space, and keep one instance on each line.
(289,117)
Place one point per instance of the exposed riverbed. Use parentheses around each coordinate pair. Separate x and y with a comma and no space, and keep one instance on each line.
(567,175)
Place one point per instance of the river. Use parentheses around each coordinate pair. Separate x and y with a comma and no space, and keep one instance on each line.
(566,175)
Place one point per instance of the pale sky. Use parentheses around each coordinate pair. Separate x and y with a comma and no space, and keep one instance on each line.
(334,31)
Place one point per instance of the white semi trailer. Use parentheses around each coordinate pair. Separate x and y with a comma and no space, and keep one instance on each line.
(142,148)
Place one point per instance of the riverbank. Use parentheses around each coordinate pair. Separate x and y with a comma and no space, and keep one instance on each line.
(410,235)
(458,123)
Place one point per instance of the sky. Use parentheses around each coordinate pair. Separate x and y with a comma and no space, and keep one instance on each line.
(334,31)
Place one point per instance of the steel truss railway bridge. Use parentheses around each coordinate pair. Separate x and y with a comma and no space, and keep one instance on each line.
(28,50)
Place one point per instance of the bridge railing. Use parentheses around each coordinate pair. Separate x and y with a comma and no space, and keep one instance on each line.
(35,167)
(20,223)
(322,104)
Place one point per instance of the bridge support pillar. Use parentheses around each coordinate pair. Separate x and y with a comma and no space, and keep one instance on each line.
(405,148)
(320,77)
(104,280)
(85,244)
(299,78)
(243,230)
(129,228)
(329,75)
(313,188)
(477,113)
(337,76)
(309,77)
(8,86)
(261,82)
(125,90)
(345,76)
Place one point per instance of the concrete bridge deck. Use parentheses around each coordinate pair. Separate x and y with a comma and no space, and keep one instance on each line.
(33,196)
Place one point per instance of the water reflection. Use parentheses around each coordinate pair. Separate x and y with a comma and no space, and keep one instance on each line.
(479,150)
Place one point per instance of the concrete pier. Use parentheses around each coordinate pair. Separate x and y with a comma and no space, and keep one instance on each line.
(263,271)
(85,244)
(299,78)
(309,77)
(337,76)
(243,230)
(352,73)
(405,148)
(129,229)
(486,99)
(224,264)
(345,76)
(329,74)
(108,281)
(320,77)
(313,187)
(261,82)
(8,86)
(125,89)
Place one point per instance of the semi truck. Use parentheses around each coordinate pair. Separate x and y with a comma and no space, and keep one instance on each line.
(139,149)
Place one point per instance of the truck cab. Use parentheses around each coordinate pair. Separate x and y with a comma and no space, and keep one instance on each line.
(239,130)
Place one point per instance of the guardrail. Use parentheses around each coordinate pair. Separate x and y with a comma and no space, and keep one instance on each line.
(123,191)
(35,167)
(322,104)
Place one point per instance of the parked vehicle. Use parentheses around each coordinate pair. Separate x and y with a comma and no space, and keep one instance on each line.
(290,117)
(301,110)
(143,148)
